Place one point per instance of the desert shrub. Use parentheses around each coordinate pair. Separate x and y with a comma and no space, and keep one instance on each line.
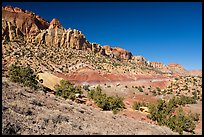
(24,75)
(154,92)
(195,95)
(181,122)
(105,102)
(113,103)
(140,89)
(182,100)
(195,116)
(162,112)
(67,90)
(176,78)
(86,87)
(158,112)
(164,91)
(108,86)
(173,102)
(198,91)
(137,105)
(158,89)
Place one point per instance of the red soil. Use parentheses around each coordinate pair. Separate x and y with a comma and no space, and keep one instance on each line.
(93,76)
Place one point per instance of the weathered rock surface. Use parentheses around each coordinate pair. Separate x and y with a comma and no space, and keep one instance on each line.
(157,64)
(140,60)
(121,53)
(117,52)
(20,24)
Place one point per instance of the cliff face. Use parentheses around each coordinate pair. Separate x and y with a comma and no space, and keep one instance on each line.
(140,60)
(23,25)
(19,24)
(178,68)
(175,65)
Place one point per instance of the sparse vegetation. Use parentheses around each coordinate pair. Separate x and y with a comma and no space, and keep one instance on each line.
(163,113)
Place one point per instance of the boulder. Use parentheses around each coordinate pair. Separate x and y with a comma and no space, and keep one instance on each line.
(49,80)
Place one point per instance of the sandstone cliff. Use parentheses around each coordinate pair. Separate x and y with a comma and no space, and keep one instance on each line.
(23,25)
(19,24)
(27,27)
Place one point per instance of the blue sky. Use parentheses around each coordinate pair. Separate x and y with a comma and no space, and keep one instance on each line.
(167,32)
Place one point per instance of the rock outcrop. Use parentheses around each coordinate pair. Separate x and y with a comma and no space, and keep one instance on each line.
(108,50)
(121,53)
(48,80)
(157,64)
(175,65)
(176,68)
(18,24)
(117,52)
(140,60)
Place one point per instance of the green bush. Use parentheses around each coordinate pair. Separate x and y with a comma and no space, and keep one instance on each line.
(105,102)
(24,75)
(154,92)
(195,116)
(137,105)
(158,89)
(182,100)
(67,90)
(108,86)
(181,122)
(162,112)
(140,89)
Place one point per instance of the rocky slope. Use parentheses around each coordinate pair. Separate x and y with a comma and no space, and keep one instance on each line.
(25,111)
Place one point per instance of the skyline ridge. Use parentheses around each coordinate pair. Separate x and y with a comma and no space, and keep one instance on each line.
(129,46)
